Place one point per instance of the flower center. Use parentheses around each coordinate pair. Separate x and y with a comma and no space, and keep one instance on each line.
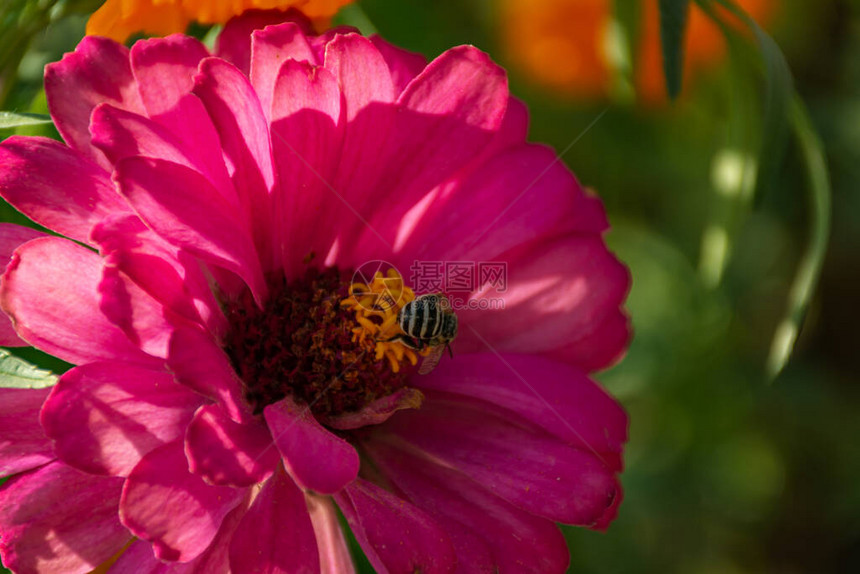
(321,341)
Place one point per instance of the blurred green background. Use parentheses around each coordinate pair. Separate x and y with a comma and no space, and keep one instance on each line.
(727,471)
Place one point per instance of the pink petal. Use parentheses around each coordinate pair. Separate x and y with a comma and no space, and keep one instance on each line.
(175,510)
(183,208)
(600,348)
(98,71)
(276,534)
(515,126)
(447,115)
(316,459)
(234,41)
(270,48)
(234,107)
(307,100)
(140,559)
(144,320)
(550,394)
(122,134)
(170,275)
(502,205)
(517,540)
(333,550)
(559,291)
(395,536)
(452,109)
(104,417)
(402,64)
(228,453)
(23,444)
(361,72)
(56,187)
(603,522)
(50,289)
(378,411)
(57,520)
(198,363)
(368,94)
(11,237)
(164,69)
(512,458)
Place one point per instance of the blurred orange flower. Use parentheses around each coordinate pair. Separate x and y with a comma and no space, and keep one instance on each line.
(119,19)
(564,44)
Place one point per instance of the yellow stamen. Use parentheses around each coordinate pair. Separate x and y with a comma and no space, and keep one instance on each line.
(376,306)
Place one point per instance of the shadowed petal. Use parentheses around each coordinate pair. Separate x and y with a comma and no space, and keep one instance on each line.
(512,458)
(276,535)
(307,100)
(164,69)
(402,64)
(179,204)
(560,292)
(368,96)
(168,274)
(201,365)
(234,42)
(396,536)
(175,510)
(23,444)
(378,411)
(317,459)
(11,237)
(50,289)
(502,205)
(270,48)
(144,320)
(56,187)
(98,71)
(121,134)
(227,453)
(103,417)
(235,109)
(553,395)
(517,541)
(140,559)
(41,525)
(600,347)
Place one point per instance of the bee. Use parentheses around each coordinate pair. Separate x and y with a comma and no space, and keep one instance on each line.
(428,321)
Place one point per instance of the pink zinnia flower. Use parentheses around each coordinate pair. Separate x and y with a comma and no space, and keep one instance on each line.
(228,393)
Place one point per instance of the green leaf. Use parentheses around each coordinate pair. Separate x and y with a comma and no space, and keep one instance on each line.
(9,120)
(673,23)
(779,89)
(17,373)
(784,110)
(809,269)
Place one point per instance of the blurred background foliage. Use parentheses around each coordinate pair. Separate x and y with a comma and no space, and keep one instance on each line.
(728,471)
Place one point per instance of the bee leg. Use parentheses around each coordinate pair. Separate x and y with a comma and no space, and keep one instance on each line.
(410,342)
(450,352)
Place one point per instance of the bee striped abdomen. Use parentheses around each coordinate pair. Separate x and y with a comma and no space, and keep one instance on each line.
(424,318)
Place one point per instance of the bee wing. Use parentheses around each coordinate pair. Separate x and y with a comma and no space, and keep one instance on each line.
(430,361)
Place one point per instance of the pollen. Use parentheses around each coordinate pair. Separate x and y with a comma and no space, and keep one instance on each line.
(376,306)
(306,344)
